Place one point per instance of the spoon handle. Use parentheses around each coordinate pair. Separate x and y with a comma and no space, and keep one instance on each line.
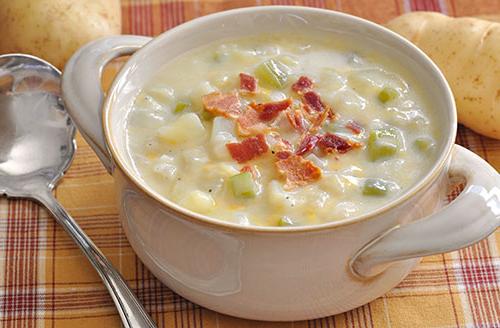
(131,311)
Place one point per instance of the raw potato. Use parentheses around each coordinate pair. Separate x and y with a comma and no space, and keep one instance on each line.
(55,29)
(467,50)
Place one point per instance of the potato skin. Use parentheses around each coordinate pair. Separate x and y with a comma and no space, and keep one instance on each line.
(55,29)
(492,17)
(467,50)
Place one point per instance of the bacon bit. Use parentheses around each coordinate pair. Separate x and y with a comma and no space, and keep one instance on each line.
(249,123)
(331,114)
(313,102)
(318,122)
(269,111)
(302,84)
(354,127)
(283,154)
(298,171)
(330,143)
(284,145)
(248,149)
(280,144)
(250,169)
(307,144)
(248,82)
(223,104)
(296,119)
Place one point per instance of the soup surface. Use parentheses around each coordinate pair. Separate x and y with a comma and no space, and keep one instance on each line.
(276,130)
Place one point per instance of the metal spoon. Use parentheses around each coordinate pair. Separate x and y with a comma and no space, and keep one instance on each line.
(36,148)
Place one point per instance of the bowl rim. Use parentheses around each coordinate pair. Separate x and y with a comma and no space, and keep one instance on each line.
(189,215)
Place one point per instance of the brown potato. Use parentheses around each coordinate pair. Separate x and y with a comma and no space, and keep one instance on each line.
(492,18)
(467,50)
(55,29)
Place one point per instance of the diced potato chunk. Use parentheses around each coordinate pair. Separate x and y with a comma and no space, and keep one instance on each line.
(198,201)
(165,167)
(195,96)
(186,127)
(222,134)
(280,199)
(162,94)
(195,156)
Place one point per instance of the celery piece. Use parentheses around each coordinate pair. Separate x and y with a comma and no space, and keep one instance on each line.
(181,106)
(288,61)
(424,144)
(272,74)
(382,143)
(219,56)
(375,187)
(206,116)
(387,94)
(285,222)
(243,185)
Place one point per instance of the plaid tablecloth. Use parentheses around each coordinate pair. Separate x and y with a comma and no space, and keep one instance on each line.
(46,282)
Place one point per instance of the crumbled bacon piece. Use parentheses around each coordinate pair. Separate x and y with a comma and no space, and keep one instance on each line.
(248,82)
(283,154)
(298,171)
(303,83)
(318,121)
(313,102)
(249,123)
(330,143)
(277,143)
(354,127)
(269,111)
(248,149)
(307,144)
(222,104)
(250,169)
(296,119)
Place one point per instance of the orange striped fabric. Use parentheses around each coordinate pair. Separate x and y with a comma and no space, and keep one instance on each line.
(46,282)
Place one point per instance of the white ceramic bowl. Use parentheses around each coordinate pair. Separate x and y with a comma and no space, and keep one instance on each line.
(279,273)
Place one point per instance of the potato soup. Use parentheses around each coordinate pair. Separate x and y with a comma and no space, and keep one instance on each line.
(281,130)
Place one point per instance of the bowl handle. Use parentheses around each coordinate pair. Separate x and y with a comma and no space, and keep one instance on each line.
(471,217)
(81,87)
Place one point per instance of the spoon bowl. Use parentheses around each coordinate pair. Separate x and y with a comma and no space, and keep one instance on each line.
(36,131)
(37,146)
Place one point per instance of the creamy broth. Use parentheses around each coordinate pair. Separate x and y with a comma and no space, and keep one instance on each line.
(359,136)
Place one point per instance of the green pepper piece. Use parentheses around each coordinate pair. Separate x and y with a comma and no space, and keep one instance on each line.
(181,106)
(382,143)
(272,74)
(243,185)
(375,187)
(424,144)
(387,94)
